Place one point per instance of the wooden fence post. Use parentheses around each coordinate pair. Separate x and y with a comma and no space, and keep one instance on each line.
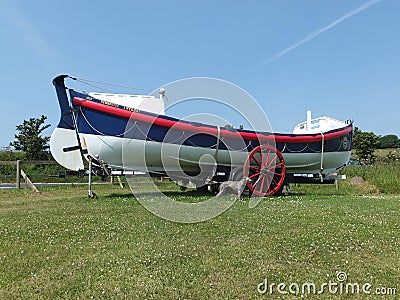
(29,182)
(18,175)
(120,182)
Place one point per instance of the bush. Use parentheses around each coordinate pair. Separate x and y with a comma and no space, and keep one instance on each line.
(7,155)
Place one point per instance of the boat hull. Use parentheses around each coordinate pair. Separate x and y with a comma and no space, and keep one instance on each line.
(130,139)
(149,156)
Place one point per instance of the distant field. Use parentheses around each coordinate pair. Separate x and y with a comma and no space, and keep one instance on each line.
(59,244)
(384,152)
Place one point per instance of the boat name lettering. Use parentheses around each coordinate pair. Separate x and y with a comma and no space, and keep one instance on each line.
(109,103)
(131,109)
(116,105)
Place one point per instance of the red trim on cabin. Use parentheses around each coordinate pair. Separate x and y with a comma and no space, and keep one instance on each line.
(253,136)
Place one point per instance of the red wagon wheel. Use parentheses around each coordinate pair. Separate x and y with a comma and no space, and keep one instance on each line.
(266,169)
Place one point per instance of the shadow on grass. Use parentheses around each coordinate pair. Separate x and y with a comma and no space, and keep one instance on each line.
(296,191)
(191,193)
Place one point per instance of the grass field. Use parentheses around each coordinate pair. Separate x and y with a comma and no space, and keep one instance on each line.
(59,244)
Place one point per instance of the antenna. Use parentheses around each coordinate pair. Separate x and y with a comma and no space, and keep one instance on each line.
(308,119)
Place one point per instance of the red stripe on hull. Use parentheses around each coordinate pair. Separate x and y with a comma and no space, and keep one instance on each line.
(252,136)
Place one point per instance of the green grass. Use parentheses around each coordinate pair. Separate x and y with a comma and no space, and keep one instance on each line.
(59,244)
(384,174)
(386,177)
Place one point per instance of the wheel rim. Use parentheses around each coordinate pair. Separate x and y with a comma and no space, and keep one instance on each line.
(266,169)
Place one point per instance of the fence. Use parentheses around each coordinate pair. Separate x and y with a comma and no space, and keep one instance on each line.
(20,172)
(61,174)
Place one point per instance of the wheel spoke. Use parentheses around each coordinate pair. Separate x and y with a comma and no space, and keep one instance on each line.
(255,168)
(262,184)
(271,168)
(254,175)
(258,163)
(272,160)
(255,183)
(265,162)
(268,186)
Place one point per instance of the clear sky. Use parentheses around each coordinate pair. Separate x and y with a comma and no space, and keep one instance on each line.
(338,58)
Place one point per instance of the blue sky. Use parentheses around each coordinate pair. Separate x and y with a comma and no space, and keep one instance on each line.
(338,58)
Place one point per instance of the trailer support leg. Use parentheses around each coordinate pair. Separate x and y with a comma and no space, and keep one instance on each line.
(91,195)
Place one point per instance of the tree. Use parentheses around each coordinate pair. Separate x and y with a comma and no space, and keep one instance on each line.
(388,141)
(29,138)
(365,143)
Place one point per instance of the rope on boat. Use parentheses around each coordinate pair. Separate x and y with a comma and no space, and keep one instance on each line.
(143,134)
(218,140)
(89,81)
(217,145)
(102,133)
(146,137)
(170,142)
(95,86)
(177,139)
(309,147)
(322,156)
(193,144)
(232,149)
(294,151)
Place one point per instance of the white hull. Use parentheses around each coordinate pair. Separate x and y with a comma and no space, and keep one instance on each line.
(122,153)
